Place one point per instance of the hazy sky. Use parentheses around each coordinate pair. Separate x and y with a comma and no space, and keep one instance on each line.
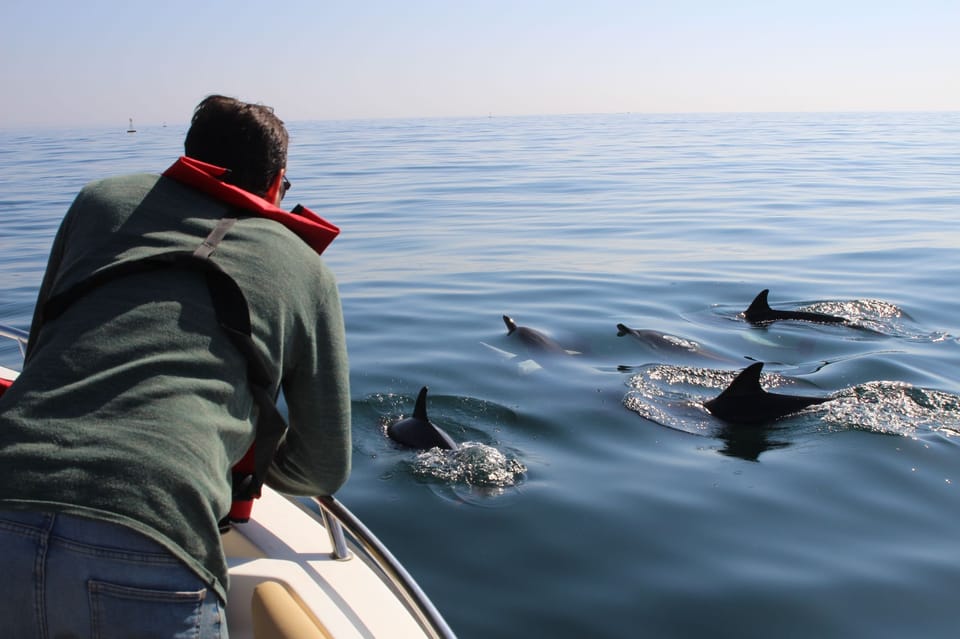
(77,62)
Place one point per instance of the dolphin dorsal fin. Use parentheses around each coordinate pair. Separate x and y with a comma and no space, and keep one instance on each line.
(746,383)
(511,325)
(420,409)
(759,304)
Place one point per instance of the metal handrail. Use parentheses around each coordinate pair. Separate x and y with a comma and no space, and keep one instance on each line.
(19,336)
(338,517)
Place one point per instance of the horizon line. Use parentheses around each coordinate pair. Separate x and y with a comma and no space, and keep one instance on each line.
(100,124)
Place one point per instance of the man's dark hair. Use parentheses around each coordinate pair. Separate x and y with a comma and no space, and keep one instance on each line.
(246,138)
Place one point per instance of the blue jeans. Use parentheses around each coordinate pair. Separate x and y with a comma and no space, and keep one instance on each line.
(70,577)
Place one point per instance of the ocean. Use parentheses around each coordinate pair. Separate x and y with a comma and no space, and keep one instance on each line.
(595,497)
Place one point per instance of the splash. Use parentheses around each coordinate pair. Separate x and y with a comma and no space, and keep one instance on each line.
(895,408)
(662,380)
(671,395)
(875,310)
(473,464)
(880,317)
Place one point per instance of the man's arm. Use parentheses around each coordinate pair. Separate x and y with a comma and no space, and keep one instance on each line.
(314,458)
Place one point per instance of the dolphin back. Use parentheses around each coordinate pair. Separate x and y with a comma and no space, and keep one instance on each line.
(532,338)
(745,401)
(418,431)
(759,312)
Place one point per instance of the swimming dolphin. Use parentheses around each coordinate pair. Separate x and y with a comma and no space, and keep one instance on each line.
(665,342)
(418,431)
(745,402)
(658,340)
(759,312)
(533,338)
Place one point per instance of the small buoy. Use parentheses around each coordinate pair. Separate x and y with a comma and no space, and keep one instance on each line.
(130,128)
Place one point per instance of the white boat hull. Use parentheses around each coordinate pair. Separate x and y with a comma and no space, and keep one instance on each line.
(286,544)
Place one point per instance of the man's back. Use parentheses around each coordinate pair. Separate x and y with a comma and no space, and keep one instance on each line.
(133,404)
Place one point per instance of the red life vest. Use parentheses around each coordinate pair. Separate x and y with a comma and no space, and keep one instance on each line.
(310,227)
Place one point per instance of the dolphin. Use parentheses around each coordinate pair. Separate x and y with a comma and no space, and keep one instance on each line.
(658,340)
(418,431)
(534,339)
(745,402)
(666,343)
(759,312)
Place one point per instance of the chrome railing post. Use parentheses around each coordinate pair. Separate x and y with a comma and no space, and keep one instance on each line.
(337,540)
(339,517)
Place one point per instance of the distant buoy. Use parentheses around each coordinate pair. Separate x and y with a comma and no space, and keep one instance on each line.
(130,128)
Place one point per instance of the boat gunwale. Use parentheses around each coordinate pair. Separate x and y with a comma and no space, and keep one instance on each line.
(335,517)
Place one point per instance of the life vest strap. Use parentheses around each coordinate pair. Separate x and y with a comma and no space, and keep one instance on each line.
(233,315)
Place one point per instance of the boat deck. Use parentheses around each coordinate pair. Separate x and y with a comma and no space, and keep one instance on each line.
(286,544)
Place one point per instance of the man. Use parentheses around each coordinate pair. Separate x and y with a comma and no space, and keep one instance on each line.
(134,403)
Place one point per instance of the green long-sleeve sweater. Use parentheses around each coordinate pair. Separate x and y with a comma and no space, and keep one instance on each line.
(133,405)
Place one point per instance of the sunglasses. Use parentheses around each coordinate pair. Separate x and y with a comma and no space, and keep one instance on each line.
(284,187)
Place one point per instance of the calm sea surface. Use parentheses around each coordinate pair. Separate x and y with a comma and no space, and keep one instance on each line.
(599,499)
